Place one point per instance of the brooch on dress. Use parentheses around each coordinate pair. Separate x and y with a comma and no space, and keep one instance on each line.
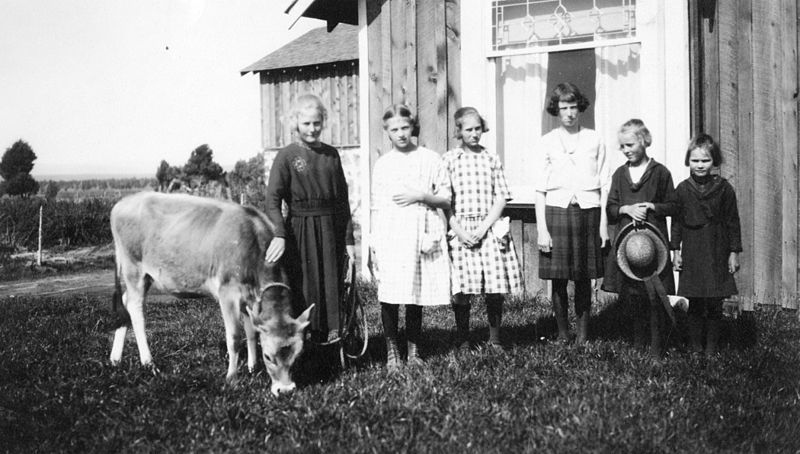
(300,164)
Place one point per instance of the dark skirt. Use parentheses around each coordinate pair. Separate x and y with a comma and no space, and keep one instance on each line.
(576,253)
(315,263)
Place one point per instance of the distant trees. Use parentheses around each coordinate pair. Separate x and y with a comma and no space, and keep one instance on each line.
(165,174)
(201,164)
(248,178)
(200,175)
(15,168)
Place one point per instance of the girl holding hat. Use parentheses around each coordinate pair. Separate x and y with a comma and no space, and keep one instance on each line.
(642,191)
(706,238)
(571,189)
(317,235)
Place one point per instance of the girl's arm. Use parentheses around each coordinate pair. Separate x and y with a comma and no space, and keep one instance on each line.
(543,240)
(676,233)
(603,217)
(494,214)
(731,212)
(668,203)
(278,188)
(412,196)
(612,202)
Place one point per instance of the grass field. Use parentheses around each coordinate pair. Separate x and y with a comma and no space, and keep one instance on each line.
(58,392)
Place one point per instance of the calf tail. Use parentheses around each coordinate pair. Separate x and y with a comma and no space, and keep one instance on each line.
(120,314)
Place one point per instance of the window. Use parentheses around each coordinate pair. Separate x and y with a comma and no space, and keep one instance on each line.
(525,25)
(592,44)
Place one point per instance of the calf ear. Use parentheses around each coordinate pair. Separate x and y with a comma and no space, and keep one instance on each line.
(302,320)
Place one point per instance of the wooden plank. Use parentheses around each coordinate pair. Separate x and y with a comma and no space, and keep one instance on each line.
(711,75)
(267,112)
(728,98)
(533,284)
(788,140)
(696,66)
(518,240)
(453,57)
(767,212)
(354,100)
(745,182)
(428,75)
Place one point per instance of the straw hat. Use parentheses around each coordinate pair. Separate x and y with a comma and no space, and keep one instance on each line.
(641,251)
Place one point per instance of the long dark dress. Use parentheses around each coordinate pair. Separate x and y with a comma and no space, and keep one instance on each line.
(706,230)
(312,183)
(656,187)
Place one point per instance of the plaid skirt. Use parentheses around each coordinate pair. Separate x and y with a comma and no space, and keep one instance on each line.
(576,253)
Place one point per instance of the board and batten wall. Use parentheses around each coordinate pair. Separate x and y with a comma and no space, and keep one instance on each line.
(336,84)
(745,94)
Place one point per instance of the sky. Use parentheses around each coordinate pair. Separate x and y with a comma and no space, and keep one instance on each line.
(112,87)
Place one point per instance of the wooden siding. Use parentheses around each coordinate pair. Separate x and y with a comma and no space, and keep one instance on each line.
(413,59)
(745,89)
(337,86)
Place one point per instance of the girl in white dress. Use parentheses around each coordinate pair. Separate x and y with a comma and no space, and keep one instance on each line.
(408,232)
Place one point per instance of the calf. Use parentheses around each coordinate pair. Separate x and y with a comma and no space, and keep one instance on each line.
(185,244)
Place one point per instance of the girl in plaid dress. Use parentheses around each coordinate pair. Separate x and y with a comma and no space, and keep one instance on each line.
(483,256)
(408,235)
(571,189)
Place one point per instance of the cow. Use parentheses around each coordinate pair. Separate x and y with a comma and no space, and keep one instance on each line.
(188,245)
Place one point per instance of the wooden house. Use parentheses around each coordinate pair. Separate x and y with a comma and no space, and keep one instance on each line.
(726,68)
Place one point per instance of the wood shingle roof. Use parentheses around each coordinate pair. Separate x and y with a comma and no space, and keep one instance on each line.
(315,47)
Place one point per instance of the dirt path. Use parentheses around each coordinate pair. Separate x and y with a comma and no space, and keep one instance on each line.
(91,282)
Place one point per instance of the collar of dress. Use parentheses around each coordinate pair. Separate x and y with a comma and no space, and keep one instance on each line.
(460,151)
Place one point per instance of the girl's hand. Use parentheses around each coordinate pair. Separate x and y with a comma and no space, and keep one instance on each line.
(637,212)
(276,249)
(603,235)
(466,238)
(733,263)
(478,235)
(410,196)
(544,241)
(677,261)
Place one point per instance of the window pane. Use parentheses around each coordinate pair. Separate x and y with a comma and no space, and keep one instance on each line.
(524,24)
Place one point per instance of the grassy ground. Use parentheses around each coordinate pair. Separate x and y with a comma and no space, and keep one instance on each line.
(59,393)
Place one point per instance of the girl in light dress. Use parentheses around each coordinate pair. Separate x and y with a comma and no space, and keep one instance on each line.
(408,233)
(483,256)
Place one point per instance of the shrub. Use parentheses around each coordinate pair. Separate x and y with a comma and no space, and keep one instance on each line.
(64,223)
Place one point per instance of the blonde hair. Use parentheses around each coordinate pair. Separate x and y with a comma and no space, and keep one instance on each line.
(636,127)
(305,102)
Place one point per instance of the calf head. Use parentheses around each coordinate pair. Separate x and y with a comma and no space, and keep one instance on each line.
(280,335)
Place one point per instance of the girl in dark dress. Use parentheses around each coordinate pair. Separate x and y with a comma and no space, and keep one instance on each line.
(706,238)
(641,190)
(318,230)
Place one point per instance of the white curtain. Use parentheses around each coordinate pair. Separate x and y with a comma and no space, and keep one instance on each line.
(618,94)
(522,96)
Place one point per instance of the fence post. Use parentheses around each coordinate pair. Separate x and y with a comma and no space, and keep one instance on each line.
(242,199)
(39,255)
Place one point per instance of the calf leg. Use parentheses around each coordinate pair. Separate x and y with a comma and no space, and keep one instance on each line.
(252,336)
(229,304)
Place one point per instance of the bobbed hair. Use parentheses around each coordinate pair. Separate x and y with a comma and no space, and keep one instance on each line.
(566,92)
(636,127)
(706,142)
(303,103)
(402,111)
(466,111)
